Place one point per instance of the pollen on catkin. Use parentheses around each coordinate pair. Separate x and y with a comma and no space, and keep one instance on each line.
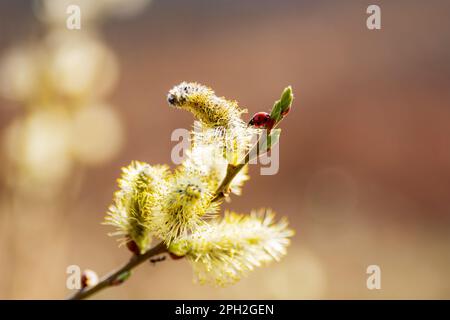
(141,188)
(201,101)
(225,250)
(233,143)
(185,205)
(208,161)
(218,120)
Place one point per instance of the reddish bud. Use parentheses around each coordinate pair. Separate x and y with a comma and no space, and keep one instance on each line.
(175,257)
(133,247)
(285,112)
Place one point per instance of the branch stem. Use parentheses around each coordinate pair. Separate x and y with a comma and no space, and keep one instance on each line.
(110,279)
(232,170)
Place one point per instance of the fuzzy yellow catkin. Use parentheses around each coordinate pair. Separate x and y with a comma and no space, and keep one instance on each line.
(218,120)
(185,205)
(201,101)
(225,250)
(232,143)
(208,161)
(141,189)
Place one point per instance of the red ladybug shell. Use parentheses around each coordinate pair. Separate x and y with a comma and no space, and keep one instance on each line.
(261,120)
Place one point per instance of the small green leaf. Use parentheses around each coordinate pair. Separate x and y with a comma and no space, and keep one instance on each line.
(282,105)
(268,141)
(121,278)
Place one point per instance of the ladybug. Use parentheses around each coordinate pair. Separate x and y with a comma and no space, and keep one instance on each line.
(261,120)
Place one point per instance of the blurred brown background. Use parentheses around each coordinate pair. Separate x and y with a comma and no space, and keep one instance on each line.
(364,156)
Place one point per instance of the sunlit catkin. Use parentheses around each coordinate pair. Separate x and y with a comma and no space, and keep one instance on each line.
(185,205)
(201,101)
(141,189)
(208,161)
(225,250)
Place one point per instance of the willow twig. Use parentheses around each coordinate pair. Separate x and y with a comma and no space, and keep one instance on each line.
(111,278)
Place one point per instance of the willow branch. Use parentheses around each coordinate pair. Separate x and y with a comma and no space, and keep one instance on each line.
(111,278)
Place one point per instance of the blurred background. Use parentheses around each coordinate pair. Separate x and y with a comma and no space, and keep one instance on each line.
(364,172)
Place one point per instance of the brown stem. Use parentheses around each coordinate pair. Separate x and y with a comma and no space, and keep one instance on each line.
(233,170)
(110,279)
(222,190)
